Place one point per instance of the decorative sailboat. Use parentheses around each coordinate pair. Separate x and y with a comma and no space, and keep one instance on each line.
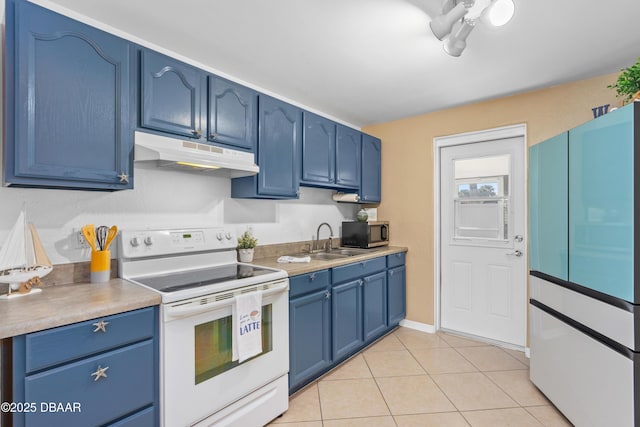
(23,260)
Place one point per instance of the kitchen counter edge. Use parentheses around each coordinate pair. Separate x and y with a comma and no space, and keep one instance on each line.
(295,269)
(66,304)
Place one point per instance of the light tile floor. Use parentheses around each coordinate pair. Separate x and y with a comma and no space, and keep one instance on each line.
(410,379)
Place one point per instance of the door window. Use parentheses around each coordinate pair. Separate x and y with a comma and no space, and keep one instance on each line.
(481,200)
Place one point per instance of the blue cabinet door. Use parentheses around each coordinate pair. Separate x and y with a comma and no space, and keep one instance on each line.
(346,322)
(278,146)
(318,150)
(371,182)
(172,95)
(374,297)
(309,337)
(601,204)
(279,134)
(348,157)
(396,295)
(232,114)
(548,207)
(128,386)
(68,102)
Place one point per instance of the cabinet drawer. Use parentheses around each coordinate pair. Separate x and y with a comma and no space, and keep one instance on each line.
(144,418)
(358,269)
(305,283)
(66,343)
(128,386)
(395,260)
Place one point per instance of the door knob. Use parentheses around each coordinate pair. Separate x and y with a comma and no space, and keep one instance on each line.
(516,253)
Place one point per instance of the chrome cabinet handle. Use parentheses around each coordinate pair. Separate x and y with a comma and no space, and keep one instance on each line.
(518,238)
(124,178)
(197,133)
(312,277)
(390,272)
(360,282)
(100,326)
(327,295)
(100,373)
(515,253)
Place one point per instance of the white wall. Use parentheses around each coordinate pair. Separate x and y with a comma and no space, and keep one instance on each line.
(167,198)
(164,198)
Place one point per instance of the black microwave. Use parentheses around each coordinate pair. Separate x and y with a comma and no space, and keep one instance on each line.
(356,234)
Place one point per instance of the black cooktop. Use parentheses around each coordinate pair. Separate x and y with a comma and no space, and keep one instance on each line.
(174,282)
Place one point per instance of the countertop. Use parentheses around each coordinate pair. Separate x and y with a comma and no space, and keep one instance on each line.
(66,304)
(294,269)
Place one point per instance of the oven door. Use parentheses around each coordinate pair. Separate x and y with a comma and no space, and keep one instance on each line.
(198,377)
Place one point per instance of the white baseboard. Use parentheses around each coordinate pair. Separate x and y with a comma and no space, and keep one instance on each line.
(424,327)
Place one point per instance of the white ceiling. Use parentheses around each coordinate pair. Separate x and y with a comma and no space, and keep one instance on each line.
(372,61)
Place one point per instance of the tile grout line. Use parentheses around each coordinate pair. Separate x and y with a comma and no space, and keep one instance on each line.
(434,381)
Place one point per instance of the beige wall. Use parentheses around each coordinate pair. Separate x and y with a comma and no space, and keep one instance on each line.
(407,164)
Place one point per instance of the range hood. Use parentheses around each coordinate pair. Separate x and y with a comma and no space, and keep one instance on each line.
(193,156)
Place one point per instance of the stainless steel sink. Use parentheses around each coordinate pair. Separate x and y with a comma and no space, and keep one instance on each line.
(334,254)
(350,251)
(327,255)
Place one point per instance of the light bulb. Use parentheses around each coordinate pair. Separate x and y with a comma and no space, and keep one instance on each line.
(500,12)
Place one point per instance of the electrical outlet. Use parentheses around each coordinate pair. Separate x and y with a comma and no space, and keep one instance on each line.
(79,241)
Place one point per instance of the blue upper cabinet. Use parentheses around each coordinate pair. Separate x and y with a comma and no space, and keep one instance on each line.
(601,203)
(548,206)
(371,182)
(172,96)
(279,134)
(68,102)
(348,157)
(318,150)
(232,114)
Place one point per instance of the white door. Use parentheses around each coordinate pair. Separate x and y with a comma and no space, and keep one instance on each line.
(482,241)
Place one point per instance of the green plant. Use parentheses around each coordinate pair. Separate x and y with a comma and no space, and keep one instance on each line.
(628,82)
(247,241)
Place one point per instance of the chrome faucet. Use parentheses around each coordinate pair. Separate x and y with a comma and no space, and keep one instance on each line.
(330,243)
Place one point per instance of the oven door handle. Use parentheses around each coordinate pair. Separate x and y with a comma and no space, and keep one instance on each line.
(190,310)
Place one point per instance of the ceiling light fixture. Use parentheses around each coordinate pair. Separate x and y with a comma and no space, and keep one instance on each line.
(468,13)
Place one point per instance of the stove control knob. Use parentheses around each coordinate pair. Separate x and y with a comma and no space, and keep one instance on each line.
(135,242)
(228,235)
(148,241)
(220,236)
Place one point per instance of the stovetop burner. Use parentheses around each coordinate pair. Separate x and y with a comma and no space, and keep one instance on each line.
(173,282)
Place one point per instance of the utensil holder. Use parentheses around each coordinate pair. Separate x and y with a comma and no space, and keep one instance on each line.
(100,266)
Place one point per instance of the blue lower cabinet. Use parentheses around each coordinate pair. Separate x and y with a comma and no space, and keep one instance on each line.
(336,313)
(100,399)
(144,418)
(310,337)
(116,384)
(396,295)
(347,318)
(374,294)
